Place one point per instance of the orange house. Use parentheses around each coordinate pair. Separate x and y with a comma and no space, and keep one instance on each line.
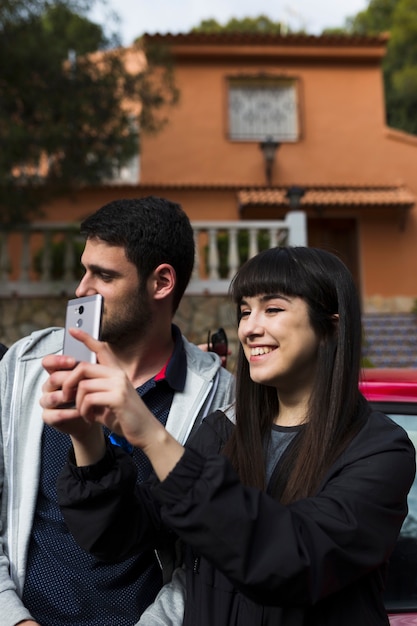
(319,102)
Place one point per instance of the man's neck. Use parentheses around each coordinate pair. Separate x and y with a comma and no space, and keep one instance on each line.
(145,357)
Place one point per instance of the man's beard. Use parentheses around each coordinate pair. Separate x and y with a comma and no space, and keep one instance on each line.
(131,322)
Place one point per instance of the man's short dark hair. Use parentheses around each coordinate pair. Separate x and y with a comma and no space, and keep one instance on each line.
(152,231)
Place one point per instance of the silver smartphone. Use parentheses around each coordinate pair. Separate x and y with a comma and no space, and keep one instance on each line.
(84,313)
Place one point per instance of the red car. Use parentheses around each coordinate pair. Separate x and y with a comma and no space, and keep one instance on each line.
(394,391)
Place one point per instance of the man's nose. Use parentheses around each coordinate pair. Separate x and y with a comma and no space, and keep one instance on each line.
(85,288)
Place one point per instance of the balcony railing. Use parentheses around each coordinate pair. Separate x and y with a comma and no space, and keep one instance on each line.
(42,259)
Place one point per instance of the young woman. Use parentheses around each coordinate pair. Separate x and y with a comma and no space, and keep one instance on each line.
(290,514)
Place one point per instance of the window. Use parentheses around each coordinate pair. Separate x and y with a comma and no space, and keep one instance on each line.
(128,174)
(263,107)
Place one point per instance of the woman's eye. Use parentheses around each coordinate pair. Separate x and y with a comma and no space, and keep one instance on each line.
(274,309)
(244,314)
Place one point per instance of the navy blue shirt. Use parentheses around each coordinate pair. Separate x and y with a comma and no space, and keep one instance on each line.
(66,586)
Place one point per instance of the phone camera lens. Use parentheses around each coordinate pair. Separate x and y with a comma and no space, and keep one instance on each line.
(79,323)
(81,310)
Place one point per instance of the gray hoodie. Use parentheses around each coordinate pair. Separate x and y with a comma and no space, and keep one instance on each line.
(208,387)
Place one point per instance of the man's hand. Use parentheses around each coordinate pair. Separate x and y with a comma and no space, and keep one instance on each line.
(59,409)
(104,395)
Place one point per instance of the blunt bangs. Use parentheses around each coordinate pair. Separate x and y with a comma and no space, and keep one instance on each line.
(277,270)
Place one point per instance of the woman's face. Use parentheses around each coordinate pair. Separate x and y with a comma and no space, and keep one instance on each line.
(278,341)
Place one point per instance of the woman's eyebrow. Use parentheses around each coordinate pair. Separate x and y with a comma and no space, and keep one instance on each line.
(274,296)
(267,297)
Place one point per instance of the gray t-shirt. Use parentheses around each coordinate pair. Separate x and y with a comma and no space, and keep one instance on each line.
(281,437)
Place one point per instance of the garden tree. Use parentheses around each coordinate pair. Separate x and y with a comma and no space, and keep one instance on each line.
(70,107)
(261,24)
(399,18)
(376,18)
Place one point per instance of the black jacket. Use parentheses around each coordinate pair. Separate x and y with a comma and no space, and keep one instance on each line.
(250,560)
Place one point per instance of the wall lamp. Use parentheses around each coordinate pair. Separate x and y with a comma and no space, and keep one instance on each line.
(269,148)
(294,195)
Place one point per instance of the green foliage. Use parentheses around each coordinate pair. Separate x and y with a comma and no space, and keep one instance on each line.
(57,253)
(63,105)
(63,28)
(334,30)
(399,17)
(261,24)
(376,18)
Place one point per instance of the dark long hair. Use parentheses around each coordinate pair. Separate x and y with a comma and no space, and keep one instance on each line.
(326,285)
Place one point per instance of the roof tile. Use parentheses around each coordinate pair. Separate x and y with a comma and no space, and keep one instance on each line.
(395,196)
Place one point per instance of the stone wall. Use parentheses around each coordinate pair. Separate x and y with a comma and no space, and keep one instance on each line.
(195,316)
(199,314)
(21,316)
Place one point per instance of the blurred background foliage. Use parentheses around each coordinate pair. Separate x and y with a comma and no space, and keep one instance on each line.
(63,94)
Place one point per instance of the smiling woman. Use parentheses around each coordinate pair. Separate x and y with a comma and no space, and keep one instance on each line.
(281,347)
(277,500)
(316,327)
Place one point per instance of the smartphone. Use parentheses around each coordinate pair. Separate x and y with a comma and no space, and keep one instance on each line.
(84,313)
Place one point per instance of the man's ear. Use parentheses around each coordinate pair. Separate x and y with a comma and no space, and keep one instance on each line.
(162,281)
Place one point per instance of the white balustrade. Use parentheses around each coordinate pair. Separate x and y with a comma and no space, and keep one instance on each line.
(42,259)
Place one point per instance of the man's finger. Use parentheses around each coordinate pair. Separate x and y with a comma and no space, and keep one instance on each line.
(104,355)
(55,362)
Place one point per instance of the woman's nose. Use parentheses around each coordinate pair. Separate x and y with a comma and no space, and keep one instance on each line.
(252,326)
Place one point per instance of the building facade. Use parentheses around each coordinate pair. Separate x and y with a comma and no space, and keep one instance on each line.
(318,104)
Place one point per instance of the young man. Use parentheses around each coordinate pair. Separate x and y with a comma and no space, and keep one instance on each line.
(139,256)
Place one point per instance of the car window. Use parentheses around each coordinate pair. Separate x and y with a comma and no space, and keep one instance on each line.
(401,589)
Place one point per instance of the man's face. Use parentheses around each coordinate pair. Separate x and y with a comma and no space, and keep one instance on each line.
(108,272)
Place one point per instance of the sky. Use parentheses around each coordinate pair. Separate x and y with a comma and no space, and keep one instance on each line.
(179,16)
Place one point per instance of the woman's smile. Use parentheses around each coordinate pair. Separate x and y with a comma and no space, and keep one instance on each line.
(256,351)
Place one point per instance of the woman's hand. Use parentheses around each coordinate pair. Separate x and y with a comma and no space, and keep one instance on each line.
(103,394)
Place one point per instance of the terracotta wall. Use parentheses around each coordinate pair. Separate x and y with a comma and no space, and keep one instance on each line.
(341,115)
(343,141)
